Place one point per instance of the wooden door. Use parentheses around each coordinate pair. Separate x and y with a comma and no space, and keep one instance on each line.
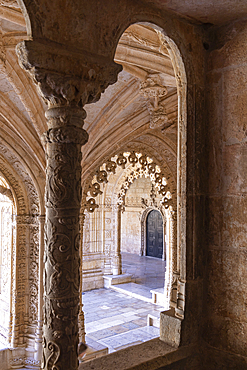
(154,237)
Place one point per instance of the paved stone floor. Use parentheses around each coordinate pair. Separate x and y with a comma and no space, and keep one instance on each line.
(116,320)
(146,271)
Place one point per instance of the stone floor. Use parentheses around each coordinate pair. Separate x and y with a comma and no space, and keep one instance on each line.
(146,271)
(116,320)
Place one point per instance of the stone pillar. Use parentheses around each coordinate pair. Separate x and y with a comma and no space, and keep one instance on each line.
(13,330)
(63,142)
(81,321)
(22,226)
(66,80)
(116,260)
(173,260)
(38,338)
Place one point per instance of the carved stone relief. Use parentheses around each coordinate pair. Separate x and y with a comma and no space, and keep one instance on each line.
(78,80)
(62,237)
(142,165)
(33,274)
(153,90)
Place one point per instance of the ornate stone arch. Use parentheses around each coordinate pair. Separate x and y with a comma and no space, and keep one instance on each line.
(138,165)
(25,253)
(96,195)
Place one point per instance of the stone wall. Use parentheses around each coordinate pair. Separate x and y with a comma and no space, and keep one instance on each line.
(226,326)
(131,217)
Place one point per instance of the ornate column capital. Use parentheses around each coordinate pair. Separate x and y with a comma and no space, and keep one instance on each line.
(66,77)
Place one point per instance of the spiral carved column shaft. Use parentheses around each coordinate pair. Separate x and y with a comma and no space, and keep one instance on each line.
(63,143)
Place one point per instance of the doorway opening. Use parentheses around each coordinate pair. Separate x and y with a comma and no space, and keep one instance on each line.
(154,234)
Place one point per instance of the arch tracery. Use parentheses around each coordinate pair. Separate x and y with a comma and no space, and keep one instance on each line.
(139,165)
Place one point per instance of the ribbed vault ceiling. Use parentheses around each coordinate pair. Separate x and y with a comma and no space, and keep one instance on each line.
(124,113)
(119,120)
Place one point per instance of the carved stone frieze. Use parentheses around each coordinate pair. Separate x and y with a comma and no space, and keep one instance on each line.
(22,273)
(65,77)
(33,274)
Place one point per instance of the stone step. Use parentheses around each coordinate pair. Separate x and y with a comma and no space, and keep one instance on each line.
(110,280)
(134,290)
(130,338)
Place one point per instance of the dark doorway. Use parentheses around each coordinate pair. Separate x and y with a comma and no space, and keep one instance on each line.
(154,234)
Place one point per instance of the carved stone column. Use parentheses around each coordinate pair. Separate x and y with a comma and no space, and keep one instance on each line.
(22,226)
(81,321)
(38,338)
(116,259)
(174,271)
(67,81)
(63,142)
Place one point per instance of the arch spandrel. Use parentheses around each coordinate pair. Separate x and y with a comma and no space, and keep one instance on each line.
(41,23)
(114,18)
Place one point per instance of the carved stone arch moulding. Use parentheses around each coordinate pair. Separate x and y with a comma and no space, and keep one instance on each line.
(32,199)
(159,156)
(144,216)
(138,165)
(24,252)
(180,218)
(20,198)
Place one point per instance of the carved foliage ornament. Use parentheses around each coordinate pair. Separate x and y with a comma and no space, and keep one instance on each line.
(166,200)
(142,166)
(66,77)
